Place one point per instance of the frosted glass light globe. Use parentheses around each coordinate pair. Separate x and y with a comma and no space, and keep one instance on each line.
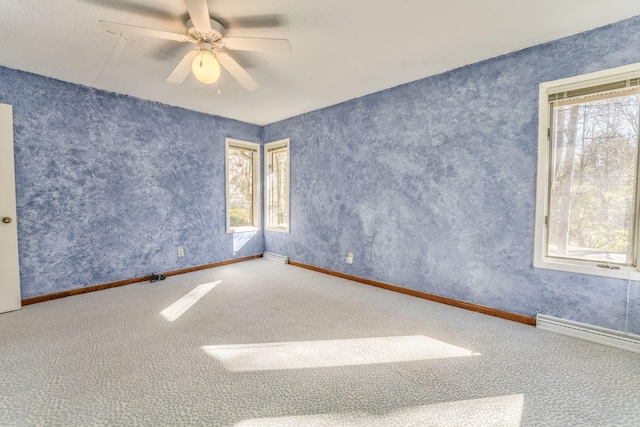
(206,68)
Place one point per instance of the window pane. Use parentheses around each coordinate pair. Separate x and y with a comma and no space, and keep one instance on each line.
(593,180)
(240,187)
(278,203)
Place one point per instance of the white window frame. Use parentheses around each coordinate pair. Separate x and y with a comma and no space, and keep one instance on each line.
(230,143)
(540,260)
(280,145)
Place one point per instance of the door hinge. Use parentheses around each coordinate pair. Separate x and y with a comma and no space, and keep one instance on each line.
(546,220)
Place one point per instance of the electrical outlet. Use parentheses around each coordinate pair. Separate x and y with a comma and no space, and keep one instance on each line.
(349,259)
(180,252)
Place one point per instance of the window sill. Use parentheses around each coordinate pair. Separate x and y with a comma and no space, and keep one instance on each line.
(586,267)
(279,230)
(245,229)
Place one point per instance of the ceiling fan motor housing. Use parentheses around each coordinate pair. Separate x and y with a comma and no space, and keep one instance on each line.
(216,34)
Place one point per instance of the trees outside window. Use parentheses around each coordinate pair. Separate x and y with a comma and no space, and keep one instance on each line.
(587,210)
(276,185)
(242,170)
(592,193)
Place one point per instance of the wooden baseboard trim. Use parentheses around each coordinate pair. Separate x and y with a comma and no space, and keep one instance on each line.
(57,295)
(520,318)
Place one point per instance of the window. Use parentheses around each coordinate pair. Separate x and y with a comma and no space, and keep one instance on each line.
(243,185)
(276,187)
(587,197)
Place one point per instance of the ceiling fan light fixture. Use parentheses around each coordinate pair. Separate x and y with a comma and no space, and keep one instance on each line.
(206,67)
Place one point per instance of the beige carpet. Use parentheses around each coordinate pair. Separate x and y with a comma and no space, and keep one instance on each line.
(265,344)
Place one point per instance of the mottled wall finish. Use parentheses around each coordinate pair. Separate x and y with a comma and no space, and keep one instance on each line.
(432,184)
(109,186)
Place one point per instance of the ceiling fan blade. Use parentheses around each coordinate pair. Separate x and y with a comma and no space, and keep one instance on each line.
(115,28)
(256,44)
(199,13)
(254,21)
(183,68)
(237,72)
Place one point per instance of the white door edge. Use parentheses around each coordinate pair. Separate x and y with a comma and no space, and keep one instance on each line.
(9,267)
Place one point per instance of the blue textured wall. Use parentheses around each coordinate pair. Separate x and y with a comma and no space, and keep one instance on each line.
(432,184)
(109,186)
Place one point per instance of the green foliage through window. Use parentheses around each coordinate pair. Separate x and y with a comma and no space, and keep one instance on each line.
(592,197)
(243,203)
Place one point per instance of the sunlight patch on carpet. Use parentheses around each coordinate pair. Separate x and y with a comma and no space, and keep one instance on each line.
(321,354)
(179,307)
(504,411)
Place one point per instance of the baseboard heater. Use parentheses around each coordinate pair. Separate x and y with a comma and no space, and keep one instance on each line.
(583,331)
(275,257)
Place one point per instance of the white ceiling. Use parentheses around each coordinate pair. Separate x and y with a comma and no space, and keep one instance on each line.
(341,49)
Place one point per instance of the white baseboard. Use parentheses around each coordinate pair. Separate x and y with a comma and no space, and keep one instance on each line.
(275,257)
(583,331)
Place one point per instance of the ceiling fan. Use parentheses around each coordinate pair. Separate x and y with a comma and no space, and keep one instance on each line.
(209,36)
